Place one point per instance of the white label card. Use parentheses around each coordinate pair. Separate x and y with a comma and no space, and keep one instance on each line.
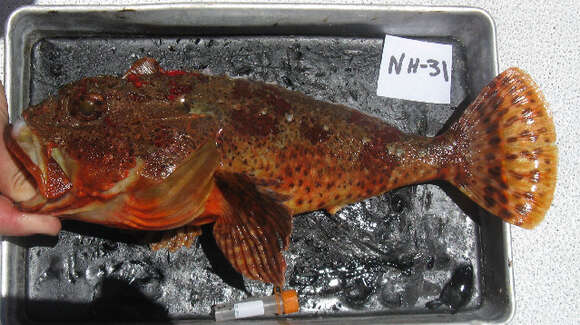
(248,309)
(415,70)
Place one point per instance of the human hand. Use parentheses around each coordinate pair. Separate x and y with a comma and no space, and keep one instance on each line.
(14,186)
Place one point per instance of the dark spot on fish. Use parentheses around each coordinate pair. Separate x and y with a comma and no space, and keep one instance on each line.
(489,189)
(504,213)
(529,195)
(491,129)
(516,175)
(527,113)
(510,121)
(502,184)
(502,198)
(241,89)
(512,139)
(511,156)
(307,189)
(373,155)
(490,156)
(494,140)
(249,121)
(300,202)
(336,197)
(522,210)
(525,154)
(314,132)
(498,102)
(489,201)
(506,80)
(200,77)
(525,133)
(495,171)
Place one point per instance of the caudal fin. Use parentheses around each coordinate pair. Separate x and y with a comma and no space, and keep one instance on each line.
(509,158)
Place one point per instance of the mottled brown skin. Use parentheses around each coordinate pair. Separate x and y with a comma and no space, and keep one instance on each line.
(256,154)
(315,155)
(318,155)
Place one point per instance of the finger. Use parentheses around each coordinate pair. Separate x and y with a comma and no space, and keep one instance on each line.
(3,107)
(16,223)
(12,182)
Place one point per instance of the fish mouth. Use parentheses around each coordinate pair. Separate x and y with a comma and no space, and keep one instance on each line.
(38,159)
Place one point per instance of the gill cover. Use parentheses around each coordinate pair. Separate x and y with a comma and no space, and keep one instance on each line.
(171,203)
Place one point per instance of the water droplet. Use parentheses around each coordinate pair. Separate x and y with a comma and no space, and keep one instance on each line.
(457,292)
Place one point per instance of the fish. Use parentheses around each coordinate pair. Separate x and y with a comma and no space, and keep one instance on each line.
(157,149)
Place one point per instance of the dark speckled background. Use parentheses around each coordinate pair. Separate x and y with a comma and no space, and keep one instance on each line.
(389,254)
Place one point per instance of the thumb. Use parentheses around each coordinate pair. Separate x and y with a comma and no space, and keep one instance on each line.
(13,183)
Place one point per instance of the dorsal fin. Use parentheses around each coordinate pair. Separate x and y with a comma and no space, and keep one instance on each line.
(254,229)
(143,66)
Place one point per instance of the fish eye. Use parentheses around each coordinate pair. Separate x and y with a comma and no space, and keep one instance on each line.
(88,107)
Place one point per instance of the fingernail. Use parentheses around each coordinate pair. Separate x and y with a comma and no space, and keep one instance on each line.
(40,224)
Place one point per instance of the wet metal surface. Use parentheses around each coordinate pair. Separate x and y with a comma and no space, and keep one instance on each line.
(387,255)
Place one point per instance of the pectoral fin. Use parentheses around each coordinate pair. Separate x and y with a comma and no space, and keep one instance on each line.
(178,199)
(254,229)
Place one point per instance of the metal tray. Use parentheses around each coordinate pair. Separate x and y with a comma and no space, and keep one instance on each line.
(93,274)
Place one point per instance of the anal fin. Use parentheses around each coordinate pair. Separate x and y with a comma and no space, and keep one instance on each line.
(175,239)
(253,230)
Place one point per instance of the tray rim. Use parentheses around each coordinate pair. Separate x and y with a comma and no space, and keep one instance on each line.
(10,250)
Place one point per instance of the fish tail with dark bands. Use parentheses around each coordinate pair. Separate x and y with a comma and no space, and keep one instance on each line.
(509,159)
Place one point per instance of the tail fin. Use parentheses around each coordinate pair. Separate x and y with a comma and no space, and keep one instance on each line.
(506,140)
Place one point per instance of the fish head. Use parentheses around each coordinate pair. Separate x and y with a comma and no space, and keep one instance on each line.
(98,138)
